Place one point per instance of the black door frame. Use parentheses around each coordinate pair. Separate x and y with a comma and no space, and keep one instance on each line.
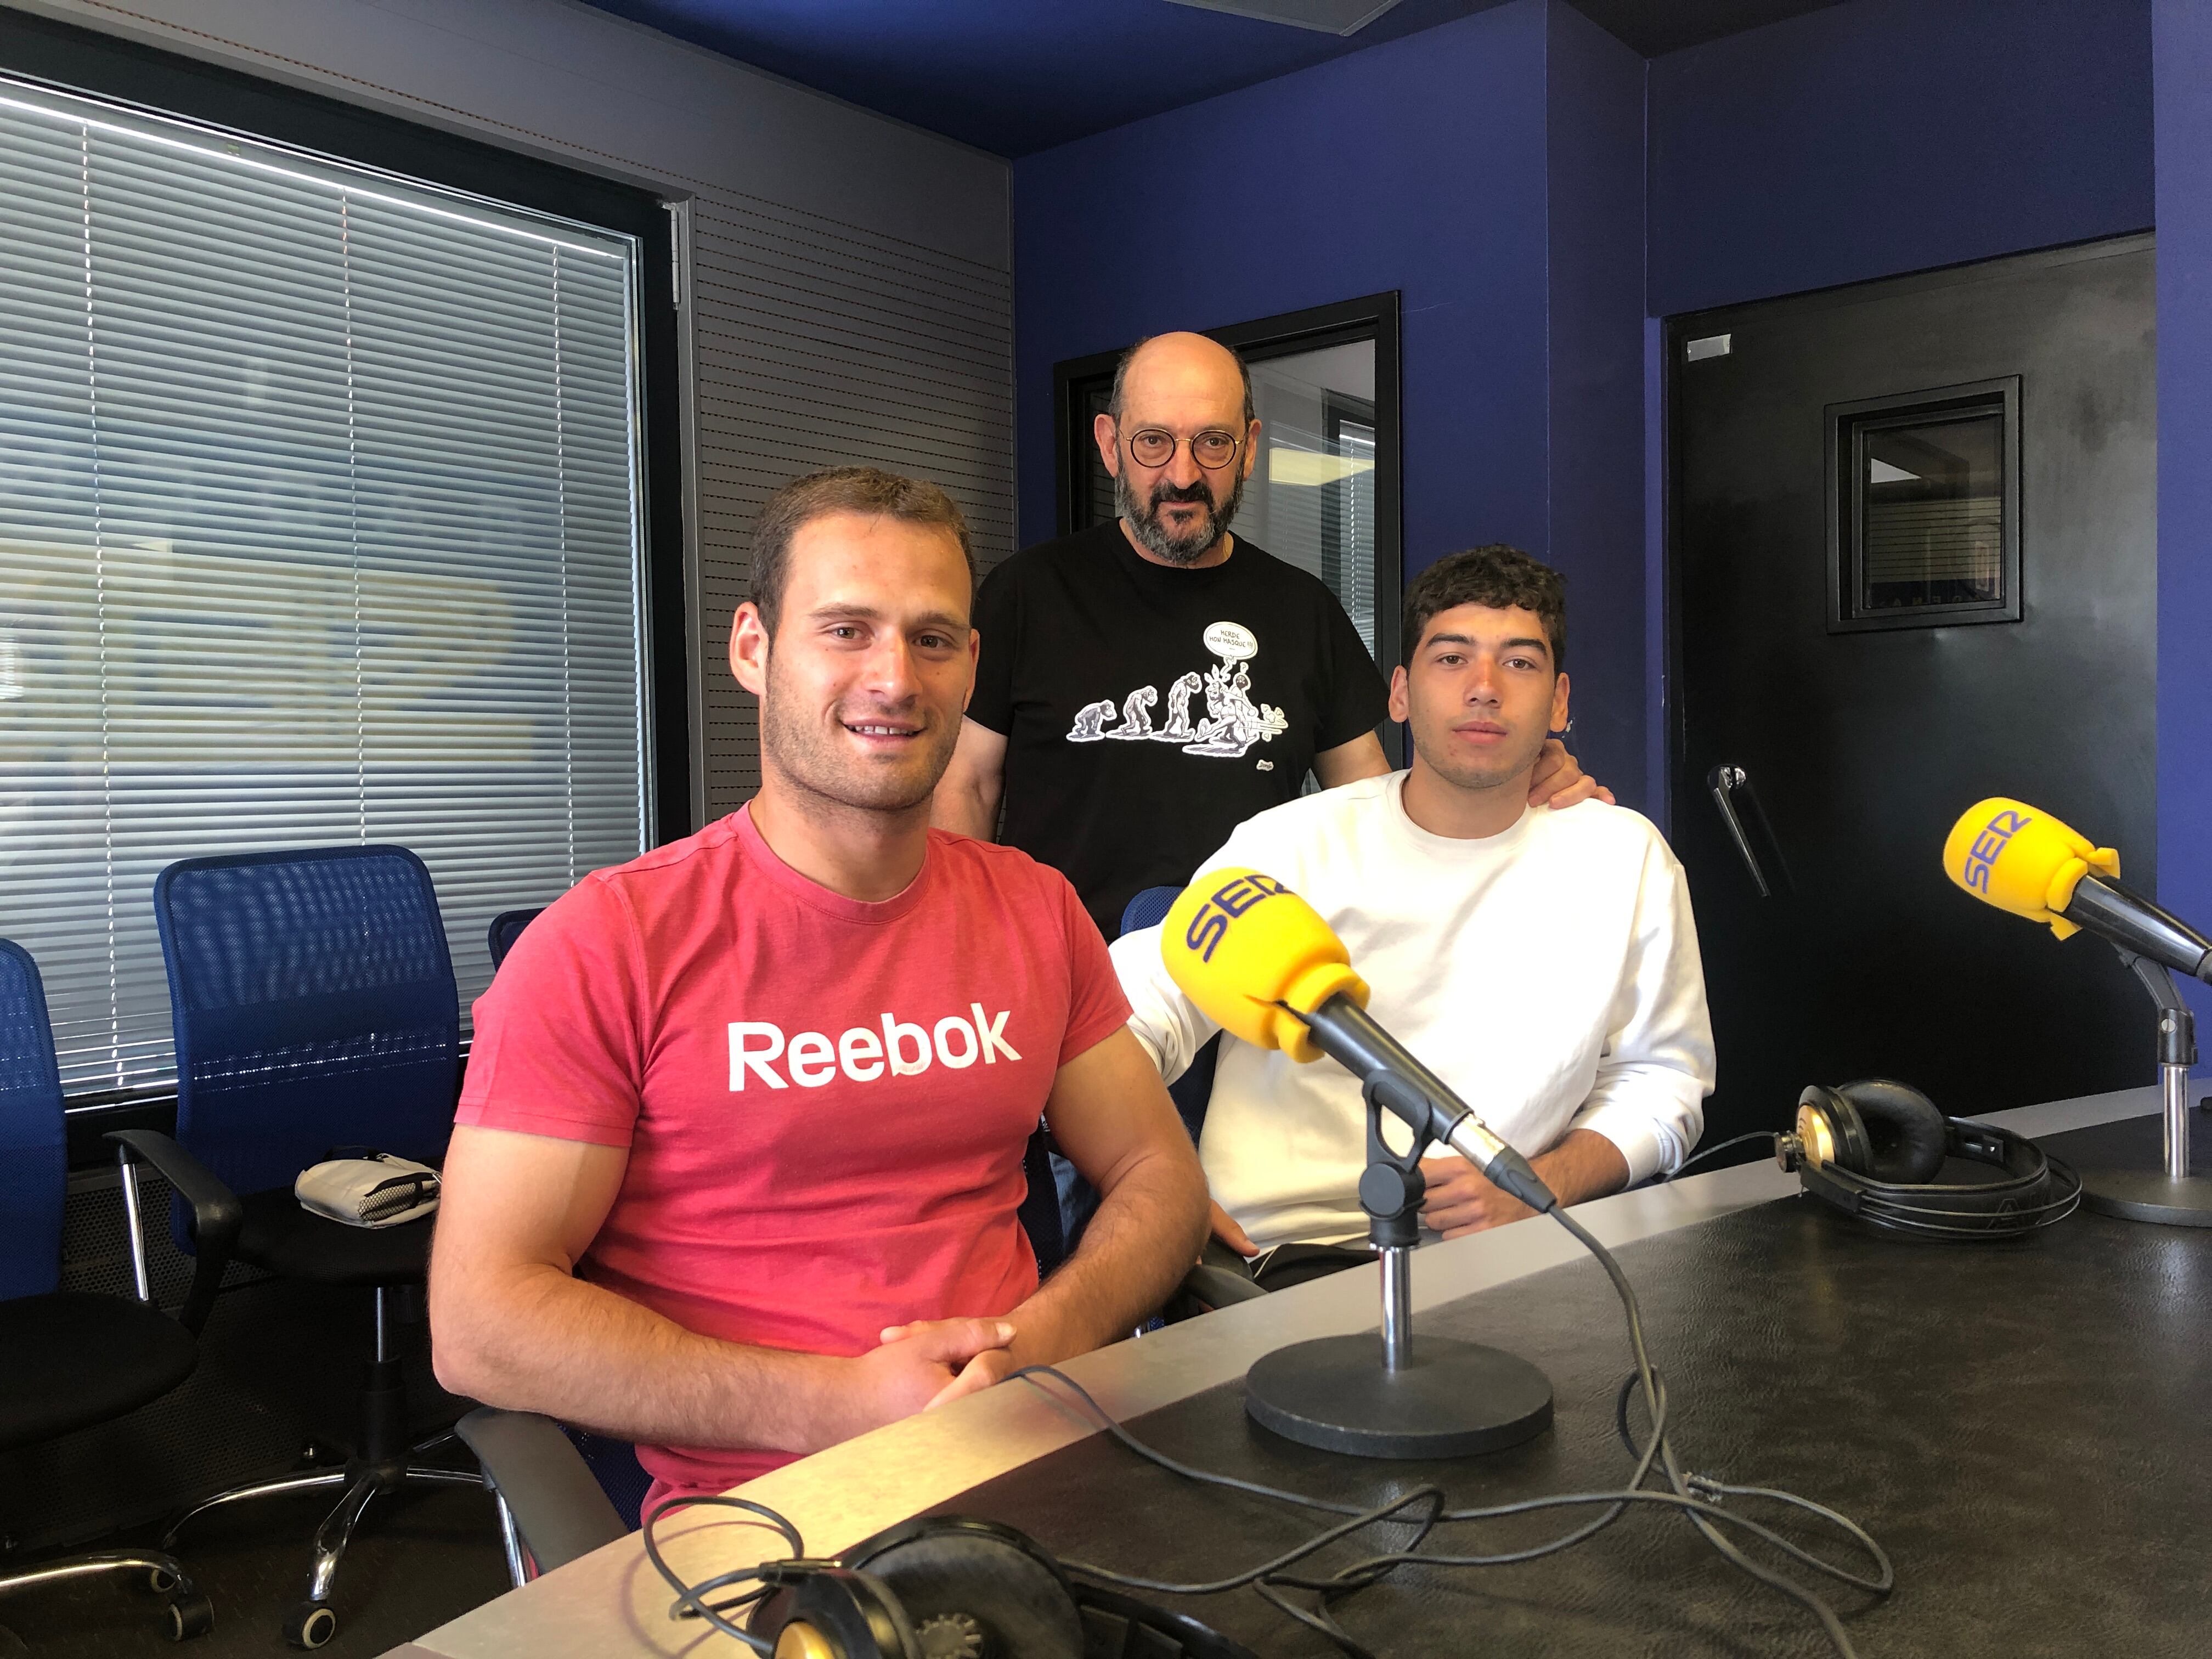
(1372,317)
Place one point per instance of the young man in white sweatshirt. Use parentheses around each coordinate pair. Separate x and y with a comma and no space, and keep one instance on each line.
(1543,964)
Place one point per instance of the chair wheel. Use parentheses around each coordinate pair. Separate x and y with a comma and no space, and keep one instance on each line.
(190,1616)
(160,1582)
(310,1625)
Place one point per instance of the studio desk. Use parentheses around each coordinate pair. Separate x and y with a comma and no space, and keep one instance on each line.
(2026,1426)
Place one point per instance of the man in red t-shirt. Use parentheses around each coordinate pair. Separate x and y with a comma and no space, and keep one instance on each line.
(740,1148)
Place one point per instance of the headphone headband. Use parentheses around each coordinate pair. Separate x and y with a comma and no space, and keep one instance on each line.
(2035,1191)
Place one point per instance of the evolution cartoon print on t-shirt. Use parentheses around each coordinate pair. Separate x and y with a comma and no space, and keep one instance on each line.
(1233,723)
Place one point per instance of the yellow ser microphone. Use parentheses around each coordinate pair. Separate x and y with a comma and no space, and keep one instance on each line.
(1263,964)
(2008,854)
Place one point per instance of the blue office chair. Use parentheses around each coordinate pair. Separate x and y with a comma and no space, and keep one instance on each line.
(70,1359)
(506,927)
(313,1002)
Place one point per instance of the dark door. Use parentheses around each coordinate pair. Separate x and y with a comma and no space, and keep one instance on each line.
(1914,558)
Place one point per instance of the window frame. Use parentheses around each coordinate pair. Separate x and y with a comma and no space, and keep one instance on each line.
(70,58)
(1847,425)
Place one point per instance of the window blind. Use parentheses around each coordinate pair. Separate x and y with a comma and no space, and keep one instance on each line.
(319,524)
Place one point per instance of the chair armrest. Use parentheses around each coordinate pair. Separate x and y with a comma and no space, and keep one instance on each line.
(556,1503)
(217,1214)
(1218,1287)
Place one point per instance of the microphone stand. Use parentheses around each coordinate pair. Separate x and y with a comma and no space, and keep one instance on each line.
(2120,1174)
(1420,1396)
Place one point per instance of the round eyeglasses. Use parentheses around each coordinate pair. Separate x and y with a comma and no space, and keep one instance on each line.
(1212,450)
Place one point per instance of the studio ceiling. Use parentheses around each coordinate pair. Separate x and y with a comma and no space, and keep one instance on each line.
(1013,77)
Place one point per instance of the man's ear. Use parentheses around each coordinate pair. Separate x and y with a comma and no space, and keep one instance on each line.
(1400,704)
(748,648)
(1251,446)
(1107,433)
(974,655)
(1559,701)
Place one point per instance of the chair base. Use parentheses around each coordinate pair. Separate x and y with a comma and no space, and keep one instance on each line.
(189,1614)
(313,1622)
(382,1463)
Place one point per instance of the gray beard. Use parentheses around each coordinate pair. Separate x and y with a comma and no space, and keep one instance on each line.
(1143,519)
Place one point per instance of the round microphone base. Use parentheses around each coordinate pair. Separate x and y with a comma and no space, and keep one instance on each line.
(1453,1400)
(2122,1170)
(2149,1195)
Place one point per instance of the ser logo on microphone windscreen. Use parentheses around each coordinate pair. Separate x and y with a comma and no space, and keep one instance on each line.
(1209,924)
(1988,846)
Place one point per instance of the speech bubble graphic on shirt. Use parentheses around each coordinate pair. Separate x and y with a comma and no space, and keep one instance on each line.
(1232,641)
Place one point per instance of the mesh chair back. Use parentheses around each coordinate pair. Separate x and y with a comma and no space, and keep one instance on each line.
(1149,908)
(34,1162)
(506,927)
(313,1002)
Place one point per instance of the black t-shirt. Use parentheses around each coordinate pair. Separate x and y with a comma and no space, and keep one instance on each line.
(1149,711)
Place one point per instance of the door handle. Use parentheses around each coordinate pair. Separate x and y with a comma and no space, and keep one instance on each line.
(1724,780)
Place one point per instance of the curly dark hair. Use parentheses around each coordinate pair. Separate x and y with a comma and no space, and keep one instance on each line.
(865,490)
(1495,575)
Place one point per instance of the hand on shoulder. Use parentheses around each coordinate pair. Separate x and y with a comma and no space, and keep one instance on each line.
(1559,782)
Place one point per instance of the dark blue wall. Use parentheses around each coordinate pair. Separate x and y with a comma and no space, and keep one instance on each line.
(1890,135)
(1501,170)
(1417,166)
(1595,193)
(1422,166)
(2184,42)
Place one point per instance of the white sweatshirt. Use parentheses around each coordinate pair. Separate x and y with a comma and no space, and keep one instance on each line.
(1549,974)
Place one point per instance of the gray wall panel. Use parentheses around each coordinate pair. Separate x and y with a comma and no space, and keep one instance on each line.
(820,345)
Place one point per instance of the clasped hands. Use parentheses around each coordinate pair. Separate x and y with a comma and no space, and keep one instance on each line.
(916,1366)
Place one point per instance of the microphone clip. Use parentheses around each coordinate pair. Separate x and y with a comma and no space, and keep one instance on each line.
(1392,1186)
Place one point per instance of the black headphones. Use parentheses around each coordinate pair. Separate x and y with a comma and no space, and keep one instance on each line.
(1874,1149)
(950,1587)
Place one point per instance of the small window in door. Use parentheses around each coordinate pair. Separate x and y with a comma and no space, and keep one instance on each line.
(1923,492)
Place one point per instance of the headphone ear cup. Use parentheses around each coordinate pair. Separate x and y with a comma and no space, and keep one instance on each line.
(833,1613)
(1845,1136)
(974,1586)
(1906,1134)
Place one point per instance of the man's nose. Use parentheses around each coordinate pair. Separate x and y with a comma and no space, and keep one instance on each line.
(889,671)
(1183,468)
(1482,681)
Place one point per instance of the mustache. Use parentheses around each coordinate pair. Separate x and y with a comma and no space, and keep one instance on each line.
(1164,492)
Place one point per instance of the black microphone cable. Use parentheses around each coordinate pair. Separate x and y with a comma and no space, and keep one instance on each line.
(691,1601)
(1695,1496)
(1703,1152)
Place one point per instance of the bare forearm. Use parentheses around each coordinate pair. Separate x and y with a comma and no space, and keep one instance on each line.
(1583,1165)
(534,1339)
(1147,1232)
(965,809)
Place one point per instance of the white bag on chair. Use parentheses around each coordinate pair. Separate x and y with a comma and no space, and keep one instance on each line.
(377,1190)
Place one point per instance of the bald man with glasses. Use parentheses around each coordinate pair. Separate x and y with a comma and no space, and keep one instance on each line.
(1147,685)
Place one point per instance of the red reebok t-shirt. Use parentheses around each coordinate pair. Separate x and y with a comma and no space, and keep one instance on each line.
(825,1102)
